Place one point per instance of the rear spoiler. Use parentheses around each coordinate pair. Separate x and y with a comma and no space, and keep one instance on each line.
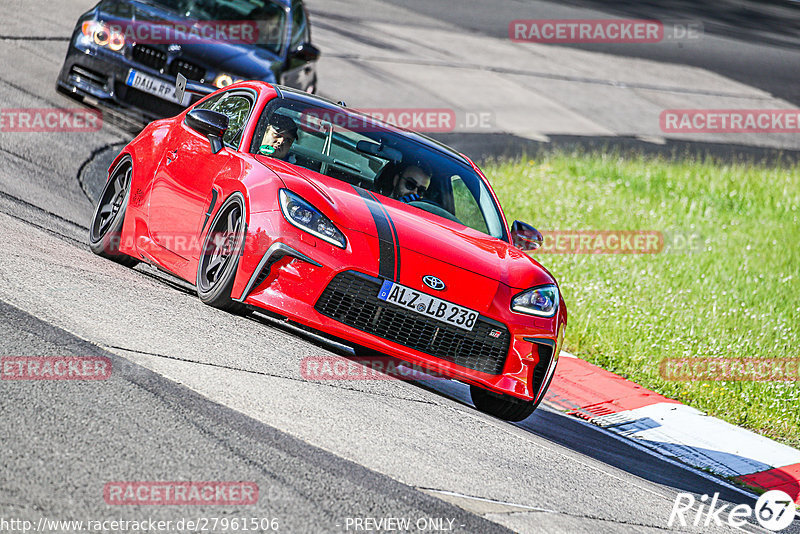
(182,86)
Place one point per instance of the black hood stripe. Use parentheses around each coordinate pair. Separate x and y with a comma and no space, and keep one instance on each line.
(388,261)
(395,238)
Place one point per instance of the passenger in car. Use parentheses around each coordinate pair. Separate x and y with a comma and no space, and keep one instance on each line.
(408,184)
(279,137)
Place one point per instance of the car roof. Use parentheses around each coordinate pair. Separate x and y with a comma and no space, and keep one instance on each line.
(322,102)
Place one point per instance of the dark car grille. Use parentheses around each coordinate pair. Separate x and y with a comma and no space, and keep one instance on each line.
(157,59)
(149,56)
(190,70)
(352,298)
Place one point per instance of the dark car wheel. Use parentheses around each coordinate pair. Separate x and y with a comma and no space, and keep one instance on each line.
(216,270)
(105,230)
(501,406)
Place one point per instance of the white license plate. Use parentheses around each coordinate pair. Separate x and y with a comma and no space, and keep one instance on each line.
(428,305)
(154,86)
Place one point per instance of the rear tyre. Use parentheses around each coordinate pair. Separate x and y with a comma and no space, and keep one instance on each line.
(501,406)
(219,259)
(105,230)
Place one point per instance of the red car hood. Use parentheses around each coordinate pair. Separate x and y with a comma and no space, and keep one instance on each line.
(418,231)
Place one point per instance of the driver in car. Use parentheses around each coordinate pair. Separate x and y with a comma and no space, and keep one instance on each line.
(410,184)
(279,137)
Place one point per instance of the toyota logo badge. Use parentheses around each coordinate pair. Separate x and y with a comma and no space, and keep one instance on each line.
(433,283)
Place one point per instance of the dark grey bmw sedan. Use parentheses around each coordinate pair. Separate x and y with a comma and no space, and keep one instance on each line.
(126,54)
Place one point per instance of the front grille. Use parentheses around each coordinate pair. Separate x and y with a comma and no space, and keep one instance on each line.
(149,56)
(352,298)
(190,70)
(91,76)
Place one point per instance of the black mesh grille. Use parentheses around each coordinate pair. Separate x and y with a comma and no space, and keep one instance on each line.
(190,70)
(352,298)
(540,371)
(152,57)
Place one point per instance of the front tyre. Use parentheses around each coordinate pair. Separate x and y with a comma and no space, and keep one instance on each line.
(219,259)
(105,230)
(501,406)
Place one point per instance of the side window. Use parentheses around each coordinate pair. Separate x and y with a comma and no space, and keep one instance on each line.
(237,108)
(209,104)
(300,31)
(467,209)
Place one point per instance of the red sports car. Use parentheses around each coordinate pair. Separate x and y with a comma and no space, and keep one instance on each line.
(269,198)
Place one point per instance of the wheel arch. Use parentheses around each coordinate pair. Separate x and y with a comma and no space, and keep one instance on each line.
(259,189)
(216,295)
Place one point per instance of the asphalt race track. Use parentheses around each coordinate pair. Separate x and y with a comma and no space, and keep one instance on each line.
(198,394)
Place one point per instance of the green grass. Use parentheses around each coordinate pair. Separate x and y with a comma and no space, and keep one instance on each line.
(737,296)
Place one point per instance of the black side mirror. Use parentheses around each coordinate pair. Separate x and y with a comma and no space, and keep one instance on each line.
(525,237)
(305,52)
(212,124)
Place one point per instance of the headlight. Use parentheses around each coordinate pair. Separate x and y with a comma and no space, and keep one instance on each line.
(116,42)
(306,217)
(540,301)
(102,35)
(224,80)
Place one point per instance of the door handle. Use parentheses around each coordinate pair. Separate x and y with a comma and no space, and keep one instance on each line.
(172,155)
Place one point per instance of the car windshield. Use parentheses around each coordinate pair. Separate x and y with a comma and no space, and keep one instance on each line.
(269,17)
(359,150)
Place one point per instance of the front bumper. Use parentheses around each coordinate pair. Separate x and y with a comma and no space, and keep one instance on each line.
(329,289)
(97,76)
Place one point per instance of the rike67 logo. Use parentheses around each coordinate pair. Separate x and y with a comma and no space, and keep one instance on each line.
(774,510)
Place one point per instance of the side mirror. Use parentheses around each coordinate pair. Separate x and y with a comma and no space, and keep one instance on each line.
(525,237)
(305,52)
(212,124)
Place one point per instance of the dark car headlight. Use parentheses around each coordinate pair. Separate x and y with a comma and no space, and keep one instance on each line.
(103,35)
(541,301)
(224,80)
(306,217)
